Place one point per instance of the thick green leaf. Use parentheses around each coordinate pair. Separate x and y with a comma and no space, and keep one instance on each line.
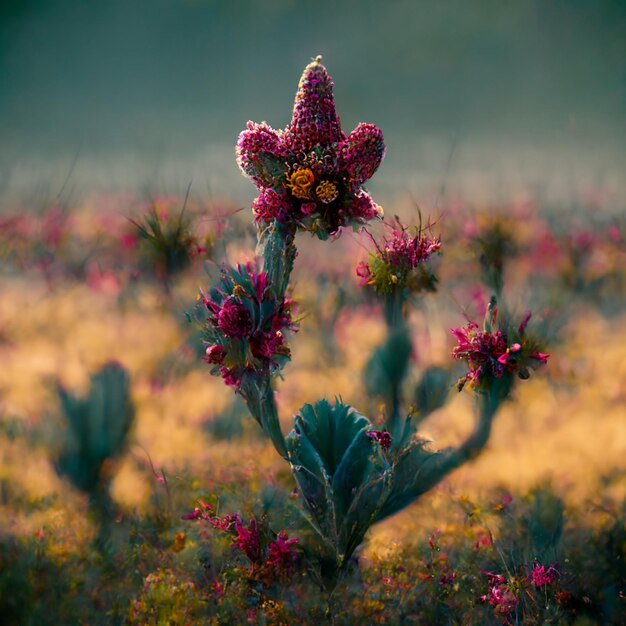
(329,452)
(352,472)
(97,425)
(331,430)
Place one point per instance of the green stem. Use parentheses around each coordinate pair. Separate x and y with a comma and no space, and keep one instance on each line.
(441,464)
(259,397)
(393,305)
(396,326)
(101,508)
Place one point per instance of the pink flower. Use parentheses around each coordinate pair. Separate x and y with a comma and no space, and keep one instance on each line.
(280,553)
(215,355)
(614,234)
(248,539)
(499,595)
(364,273)
(381,437)
(231,377)
(224,523)
(485,353)
(542,576)
(200,512)
(401,248)
(541,357)
(391,267)
(246,326)
(234,319)
(492,353)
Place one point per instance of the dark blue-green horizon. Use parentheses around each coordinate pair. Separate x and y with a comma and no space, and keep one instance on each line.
(143,90)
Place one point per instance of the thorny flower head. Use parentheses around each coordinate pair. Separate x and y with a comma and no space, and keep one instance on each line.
(244,331)
(491,354)
(400,261)
(310,174)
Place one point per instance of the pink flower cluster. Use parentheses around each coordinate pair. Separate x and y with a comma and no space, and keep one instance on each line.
(381,437)
(542,575)
(392,266)
(499,595)
(403,249)
(248,539)
(245,331)
(271,560)
(310,174)
(492,354)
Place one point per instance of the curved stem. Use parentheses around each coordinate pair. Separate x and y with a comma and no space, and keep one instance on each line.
(259,397)
(448,460)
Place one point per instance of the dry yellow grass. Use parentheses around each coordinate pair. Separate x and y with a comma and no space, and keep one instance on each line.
(571,429)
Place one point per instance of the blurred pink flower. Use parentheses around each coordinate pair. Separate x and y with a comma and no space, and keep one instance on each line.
(499,595)
(542,576)
(381,437)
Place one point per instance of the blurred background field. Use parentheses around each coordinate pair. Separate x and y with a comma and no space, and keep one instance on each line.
(78,294)
(156,91)
(505,118)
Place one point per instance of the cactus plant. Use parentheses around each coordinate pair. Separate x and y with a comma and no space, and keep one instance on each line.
(350,474)
(97,431)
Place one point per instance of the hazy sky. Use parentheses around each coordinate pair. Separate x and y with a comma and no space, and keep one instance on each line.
(147,91)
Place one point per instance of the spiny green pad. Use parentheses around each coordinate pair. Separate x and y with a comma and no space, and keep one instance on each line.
(98,425)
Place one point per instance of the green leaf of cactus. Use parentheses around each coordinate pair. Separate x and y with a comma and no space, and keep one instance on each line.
(352,471)
(364,511)
(313,482)
(331,430)
(97,426)
(330,456)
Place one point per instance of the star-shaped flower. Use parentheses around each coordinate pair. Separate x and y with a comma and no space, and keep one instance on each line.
(310,174)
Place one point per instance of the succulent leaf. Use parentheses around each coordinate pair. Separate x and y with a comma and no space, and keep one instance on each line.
(331,458)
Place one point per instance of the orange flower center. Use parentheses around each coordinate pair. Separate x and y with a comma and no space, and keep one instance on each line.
(301,183)
(326,191)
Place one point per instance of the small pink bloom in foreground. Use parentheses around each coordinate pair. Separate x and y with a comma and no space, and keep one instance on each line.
(542,358)
(543,576)
(280,553)
(381,437)
(215,355)
(499,595)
